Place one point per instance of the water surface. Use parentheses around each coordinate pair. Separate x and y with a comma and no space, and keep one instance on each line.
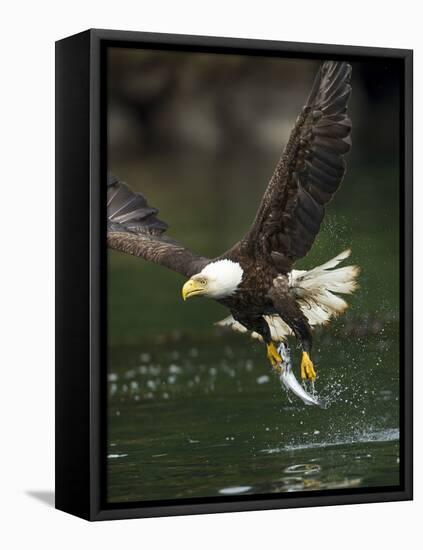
(191,422)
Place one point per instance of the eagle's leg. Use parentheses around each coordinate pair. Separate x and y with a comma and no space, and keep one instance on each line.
(300,327)
(290,312)
(259,325)
(302,331)
(307,367)
(273,355)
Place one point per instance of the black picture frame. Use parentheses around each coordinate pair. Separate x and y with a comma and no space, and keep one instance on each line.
(81,280)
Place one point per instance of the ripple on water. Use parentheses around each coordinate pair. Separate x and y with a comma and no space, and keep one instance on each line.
(364,437)
(235,490)
(305,469)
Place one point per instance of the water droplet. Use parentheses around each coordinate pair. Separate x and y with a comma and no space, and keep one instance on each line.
(117,455)
(174,369)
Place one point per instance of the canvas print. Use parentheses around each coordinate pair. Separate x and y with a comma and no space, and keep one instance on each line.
(253,275)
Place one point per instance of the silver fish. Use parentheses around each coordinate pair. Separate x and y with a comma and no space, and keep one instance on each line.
(288,379)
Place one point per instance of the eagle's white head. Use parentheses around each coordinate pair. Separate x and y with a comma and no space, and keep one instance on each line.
(218,279)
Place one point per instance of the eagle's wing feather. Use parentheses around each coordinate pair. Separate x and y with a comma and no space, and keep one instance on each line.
(309,172)
(133,228)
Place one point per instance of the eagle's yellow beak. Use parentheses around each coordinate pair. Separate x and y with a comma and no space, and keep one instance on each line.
(192,288)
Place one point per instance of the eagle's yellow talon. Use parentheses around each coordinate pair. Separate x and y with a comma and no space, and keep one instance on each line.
(307,367)
(273,356)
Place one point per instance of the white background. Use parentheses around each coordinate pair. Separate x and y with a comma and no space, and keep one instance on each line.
(27,36)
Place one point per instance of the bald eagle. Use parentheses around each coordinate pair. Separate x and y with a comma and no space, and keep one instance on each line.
(255,279)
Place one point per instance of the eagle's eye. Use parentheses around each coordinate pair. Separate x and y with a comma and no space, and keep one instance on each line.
(202,281)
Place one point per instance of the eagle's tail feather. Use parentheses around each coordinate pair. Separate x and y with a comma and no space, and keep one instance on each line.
(317,293)
(318,290)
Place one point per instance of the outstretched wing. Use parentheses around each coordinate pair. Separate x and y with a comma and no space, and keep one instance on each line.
(309,172)
(133,228)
